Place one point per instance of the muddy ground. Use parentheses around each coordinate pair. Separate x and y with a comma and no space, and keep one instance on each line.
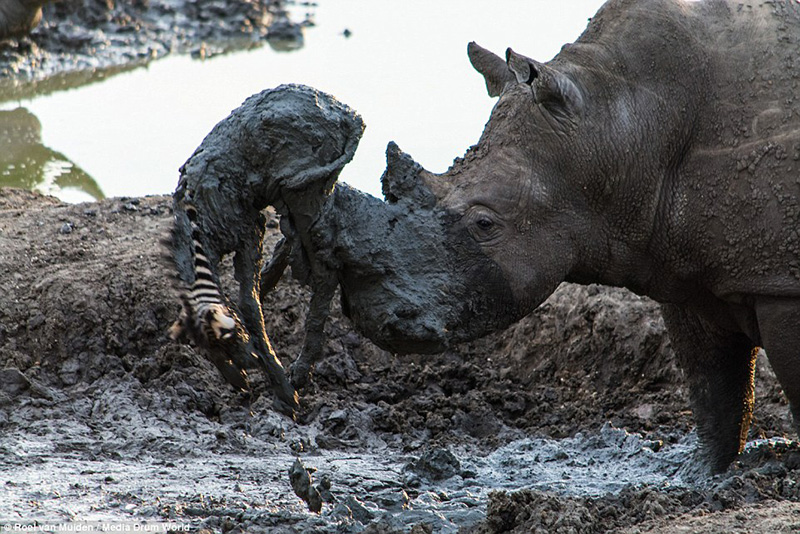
(573,420)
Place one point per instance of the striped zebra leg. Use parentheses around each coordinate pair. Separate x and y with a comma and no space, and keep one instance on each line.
(207,320)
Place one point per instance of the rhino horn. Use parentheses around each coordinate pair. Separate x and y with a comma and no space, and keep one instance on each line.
(403,179)
(551,88)
(494,69)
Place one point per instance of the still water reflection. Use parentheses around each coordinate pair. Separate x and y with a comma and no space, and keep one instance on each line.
(25,162)
(401,65)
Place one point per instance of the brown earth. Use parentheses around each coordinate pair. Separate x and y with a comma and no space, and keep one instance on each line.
(86,297)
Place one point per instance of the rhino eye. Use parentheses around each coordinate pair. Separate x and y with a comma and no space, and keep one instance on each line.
(484,223)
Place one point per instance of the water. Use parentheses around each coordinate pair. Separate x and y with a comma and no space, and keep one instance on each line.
(404,68)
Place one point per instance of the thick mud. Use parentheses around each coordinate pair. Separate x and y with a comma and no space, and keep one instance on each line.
(573,420)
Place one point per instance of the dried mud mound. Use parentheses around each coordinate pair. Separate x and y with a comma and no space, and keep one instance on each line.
(91,387)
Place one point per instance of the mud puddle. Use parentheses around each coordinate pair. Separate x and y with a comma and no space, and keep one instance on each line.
(120,450)
(48,480)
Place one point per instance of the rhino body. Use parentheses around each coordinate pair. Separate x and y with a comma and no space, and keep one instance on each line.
(660,152)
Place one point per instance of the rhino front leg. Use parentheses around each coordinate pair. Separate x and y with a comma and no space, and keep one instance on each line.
(719,365)
(779,324)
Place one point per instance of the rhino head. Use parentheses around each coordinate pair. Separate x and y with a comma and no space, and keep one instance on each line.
(454,256)
(413,278)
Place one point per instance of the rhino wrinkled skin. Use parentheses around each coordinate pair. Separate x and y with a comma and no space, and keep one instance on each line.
(660,152)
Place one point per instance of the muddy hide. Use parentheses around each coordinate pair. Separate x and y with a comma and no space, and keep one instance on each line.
(282,147)
(390,259)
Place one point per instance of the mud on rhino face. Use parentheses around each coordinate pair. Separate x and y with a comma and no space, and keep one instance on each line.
(415,272)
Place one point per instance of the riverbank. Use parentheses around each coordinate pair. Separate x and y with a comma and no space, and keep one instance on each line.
(82,41)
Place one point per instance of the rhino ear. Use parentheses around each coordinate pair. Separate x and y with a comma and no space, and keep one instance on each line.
(494,69)
(554,90)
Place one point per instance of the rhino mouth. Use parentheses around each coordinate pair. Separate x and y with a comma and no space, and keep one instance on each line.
(412,336)
(406,328)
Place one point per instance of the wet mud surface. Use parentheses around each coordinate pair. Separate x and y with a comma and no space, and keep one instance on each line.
(573,420)
(83,41)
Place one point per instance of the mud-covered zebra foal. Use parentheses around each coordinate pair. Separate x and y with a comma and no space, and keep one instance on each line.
(282,147)
(210,320)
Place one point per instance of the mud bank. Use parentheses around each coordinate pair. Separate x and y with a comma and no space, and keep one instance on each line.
(82,41)
(573,420)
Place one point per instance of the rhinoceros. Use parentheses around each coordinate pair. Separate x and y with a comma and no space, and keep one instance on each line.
(660,152)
